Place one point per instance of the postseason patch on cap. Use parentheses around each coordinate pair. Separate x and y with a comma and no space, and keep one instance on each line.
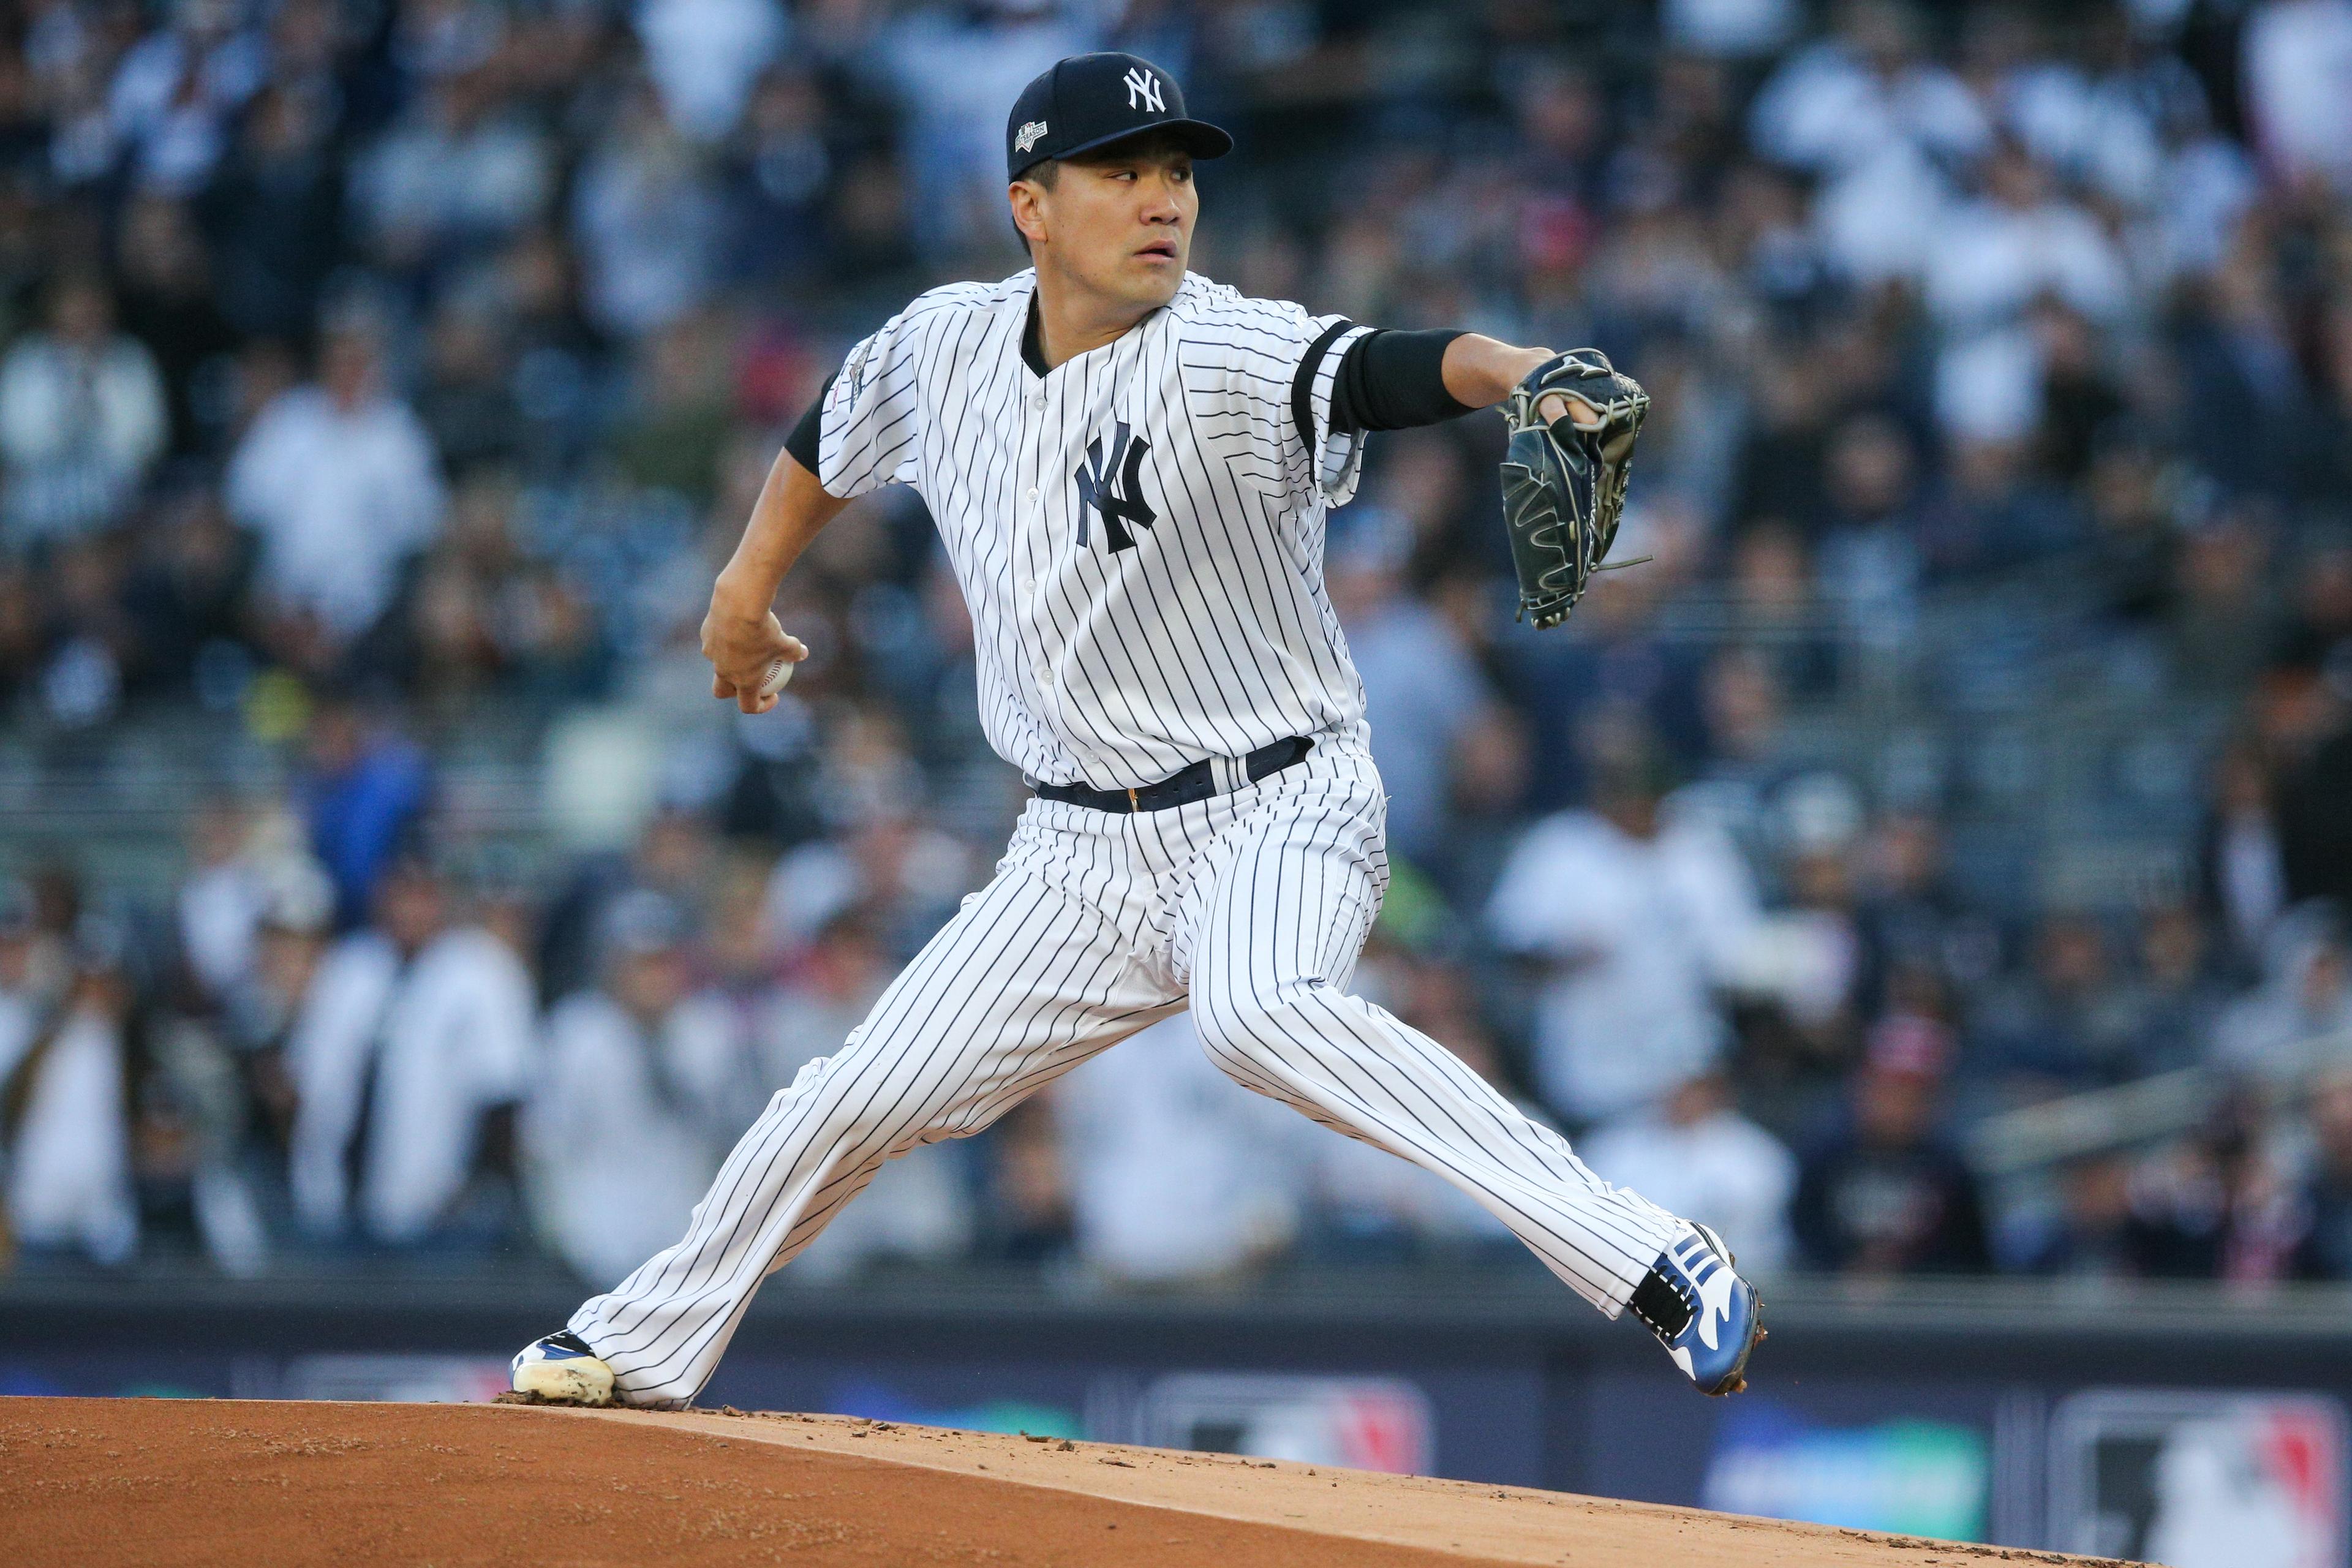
(1028,135)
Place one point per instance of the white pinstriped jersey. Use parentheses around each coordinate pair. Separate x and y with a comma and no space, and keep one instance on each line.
(1139,532)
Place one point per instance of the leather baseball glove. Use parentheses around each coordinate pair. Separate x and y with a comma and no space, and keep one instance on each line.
(1564,478)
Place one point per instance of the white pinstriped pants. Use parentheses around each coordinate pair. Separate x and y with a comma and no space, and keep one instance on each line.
(1251,907)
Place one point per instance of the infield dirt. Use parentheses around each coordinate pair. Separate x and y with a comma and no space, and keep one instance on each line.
(113,1483)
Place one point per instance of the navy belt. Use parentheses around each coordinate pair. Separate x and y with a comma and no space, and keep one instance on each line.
(1198,782)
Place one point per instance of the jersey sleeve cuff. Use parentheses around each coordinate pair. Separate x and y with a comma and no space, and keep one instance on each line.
(806,442)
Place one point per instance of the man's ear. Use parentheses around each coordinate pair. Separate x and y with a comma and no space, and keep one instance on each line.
(1028,209)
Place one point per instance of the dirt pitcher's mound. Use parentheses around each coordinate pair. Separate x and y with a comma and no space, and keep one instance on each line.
(106,1483)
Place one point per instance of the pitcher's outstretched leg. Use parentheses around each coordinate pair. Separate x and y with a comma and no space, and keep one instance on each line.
(1025,983)
(1277,941)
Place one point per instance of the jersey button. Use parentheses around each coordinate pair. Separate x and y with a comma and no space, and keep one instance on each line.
(1033,497)
(1038,401)
(1028,584)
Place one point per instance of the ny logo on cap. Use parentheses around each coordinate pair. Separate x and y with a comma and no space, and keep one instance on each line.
(1143,90)
(1029,134)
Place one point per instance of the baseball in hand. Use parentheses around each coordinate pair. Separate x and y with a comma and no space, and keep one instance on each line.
(779,676)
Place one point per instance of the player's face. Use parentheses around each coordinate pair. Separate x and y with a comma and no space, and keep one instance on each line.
(1121,224)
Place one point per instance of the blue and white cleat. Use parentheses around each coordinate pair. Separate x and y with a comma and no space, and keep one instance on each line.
(561,1369)
(1707,1316)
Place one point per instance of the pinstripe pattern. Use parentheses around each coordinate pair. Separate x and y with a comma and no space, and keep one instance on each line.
(1250,906)
(1208,637)
(1212,636)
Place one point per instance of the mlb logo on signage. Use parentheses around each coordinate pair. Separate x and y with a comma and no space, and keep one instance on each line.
(2199,1479)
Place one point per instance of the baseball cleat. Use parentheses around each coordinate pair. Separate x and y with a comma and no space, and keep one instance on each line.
(563,1370)
(1707,1316)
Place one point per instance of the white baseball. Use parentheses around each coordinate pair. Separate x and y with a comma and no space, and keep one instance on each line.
(779,676)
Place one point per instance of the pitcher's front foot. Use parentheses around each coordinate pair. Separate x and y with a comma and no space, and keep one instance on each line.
(561,1369)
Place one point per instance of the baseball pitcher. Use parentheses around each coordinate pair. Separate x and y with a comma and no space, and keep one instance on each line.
(1131,466)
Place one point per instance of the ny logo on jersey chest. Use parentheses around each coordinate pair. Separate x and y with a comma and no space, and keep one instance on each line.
(1112,487)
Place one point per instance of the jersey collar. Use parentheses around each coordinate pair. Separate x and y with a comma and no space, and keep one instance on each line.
(1032,356)
(1032,353)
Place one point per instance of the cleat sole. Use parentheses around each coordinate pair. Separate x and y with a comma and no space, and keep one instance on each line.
(577,1381)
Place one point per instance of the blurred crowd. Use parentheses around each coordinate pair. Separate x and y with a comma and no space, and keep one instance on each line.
(383,373)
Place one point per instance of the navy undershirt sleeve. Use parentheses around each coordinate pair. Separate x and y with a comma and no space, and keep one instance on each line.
(1393,381)
(809,434)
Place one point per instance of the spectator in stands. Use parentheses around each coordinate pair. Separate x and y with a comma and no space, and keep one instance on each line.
(460,172)
(1778,618)
(64,1118)
(2239,338)
(294,927)
(1996,512)
(675,856)
(176,89)
(1880,122)
(825,992)
(2298,64)
(670,439)
(2180,995)
(340,481)
(275,213)
(905,873)
(2300,1019)
(1630,918)
(1625,671)
(648,220)
(362,792)
(2214,1205)
(1696,461)
(91,638)
(83,416)
(2242,871)
(167,298)
(1423,689)
(2093,1233)
(467,404)
(2065,1024)
(1024,1187)
(781,176)
(1992,260)
(1746,708)
(952,73)
(186,597)
(2312,798)
(413,1044)
(220,902)
(2327,455)
(1884,1193)
(2324,1249)
(1913,917)
(625,1129)
(704,56)
(2219,628)
(1694,1153)
(2134,542)
(1872,548)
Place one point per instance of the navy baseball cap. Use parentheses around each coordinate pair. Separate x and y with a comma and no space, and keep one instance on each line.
(1091,101)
